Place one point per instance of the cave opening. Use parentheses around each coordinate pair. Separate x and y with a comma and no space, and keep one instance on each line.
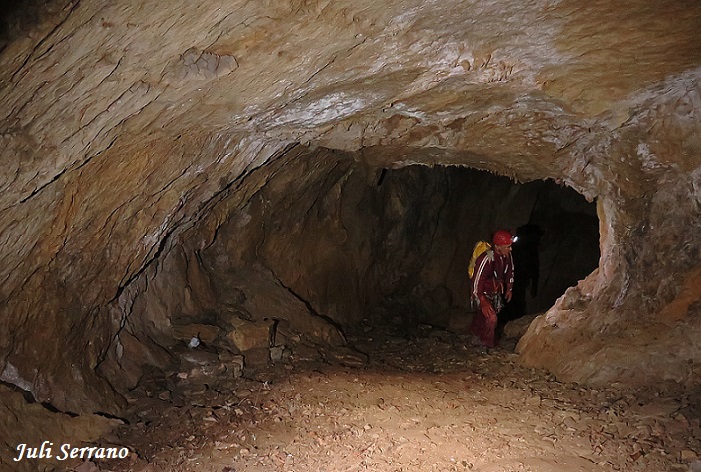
(557,233)
(320,231)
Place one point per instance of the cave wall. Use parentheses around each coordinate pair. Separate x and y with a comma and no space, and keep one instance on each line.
(68,312)
(318,240)
(123,125)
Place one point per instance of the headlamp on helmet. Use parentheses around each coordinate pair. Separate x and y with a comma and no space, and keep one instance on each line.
(502,238)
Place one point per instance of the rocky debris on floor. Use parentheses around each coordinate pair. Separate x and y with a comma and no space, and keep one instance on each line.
(424,400)
(247,335)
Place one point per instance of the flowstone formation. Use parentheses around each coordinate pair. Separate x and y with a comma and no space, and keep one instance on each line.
(131,134)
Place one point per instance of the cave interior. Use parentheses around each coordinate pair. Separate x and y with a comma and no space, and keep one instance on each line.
(238,186)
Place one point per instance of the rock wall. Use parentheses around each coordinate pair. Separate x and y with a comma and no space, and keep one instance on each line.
(626,306)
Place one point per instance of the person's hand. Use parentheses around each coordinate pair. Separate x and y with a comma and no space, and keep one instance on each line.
(488,309)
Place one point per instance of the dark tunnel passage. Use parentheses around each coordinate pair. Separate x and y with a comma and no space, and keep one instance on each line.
(351,240)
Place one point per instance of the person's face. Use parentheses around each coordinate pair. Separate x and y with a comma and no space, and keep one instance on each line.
(503,250)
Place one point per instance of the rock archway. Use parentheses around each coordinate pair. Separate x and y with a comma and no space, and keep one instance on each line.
(318,240)
(129,130)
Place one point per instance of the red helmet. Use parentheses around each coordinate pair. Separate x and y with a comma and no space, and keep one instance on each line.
(502,238)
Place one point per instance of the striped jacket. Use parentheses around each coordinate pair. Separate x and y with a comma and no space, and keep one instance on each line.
(493,274)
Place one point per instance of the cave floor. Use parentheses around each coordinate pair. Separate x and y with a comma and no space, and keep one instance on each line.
(429,401)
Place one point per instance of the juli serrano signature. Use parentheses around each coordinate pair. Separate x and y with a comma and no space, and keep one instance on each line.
(68,452)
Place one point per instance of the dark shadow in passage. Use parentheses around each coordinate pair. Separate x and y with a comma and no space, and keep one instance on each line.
(527,271)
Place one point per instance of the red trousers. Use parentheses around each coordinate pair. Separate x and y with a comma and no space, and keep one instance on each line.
(484,324)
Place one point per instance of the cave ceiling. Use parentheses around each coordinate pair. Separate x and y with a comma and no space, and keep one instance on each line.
(510,82)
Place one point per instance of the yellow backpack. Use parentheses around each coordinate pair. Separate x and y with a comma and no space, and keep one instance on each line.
(479,248)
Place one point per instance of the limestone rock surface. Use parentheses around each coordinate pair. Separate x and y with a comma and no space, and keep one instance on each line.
(131,133)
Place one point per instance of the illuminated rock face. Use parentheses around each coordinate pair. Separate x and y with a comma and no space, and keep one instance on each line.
(132,134)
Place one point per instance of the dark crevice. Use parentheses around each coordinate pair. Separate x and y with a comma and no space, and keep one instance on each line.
(304,301)
(28,396)
(226,190)
(64,171)
(112,417)
(160,247)
(53,409)
(381,179)
(31,399)
(42,187)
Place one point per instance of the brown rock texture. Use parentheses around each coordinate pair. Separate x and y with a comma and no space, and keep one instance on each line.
(143,143)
